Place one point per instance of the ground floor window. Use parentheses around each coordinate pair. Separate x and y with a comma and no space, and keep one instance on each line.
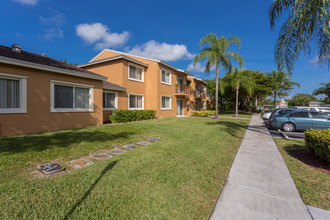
(166,103)
(136,101)
(71,97)
(110,101)
(12,93)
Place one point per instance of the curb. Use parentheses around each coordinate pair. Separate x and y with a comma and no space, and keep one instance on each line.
(283,134)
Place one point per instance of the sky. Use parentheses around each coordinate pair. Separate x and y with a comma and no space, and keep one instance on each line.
(169,30)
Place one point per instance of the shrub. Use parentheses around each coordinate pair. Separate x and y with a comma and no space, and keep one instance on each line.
(123,116)
(202,113)
(319,142)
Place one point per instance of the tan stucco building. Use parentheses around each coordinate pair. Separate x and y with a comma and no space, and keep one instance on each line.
(150,84)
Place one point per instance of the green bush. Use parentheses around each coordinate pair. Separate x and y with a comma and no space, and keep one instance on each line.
(123,116)
(319,142)
(202,113)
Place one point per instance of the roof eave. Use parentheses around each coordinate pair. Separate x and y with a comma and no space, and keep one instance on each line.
(114,58)
(120,89)
(17,62)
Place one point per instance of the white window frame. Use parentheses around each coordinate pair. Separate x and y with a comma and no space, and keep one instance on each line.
(116,100)
(161,102)
(52,97)
(166,71)
(23,94)
(129,95)
(138,67)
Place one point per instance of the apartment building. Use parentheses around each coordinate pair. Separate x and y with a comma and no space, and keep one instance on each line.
(198,99)
(38,93)
(150,84)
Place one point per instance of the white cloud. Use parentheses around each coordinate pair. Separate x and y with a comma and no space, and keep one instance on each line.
(100,35)
(27,2)
(162,51)
(197,68)
(53,26)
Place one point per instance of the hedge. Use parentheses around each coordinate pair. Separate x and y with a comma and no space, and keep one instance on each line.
(123,116)
(203,113)
(319,142)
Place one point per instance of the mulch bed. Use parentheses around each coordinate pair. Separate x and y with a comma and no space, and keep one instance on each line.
(307,157)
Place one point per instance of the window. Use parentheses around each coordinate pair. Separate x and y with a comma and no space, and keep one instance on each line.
(197,106)
(110,101)
(166,77)
(135,73)
(300,115)
(204,104)
(71,97)
(197,92)
(319,115)
(136,101)
(12,93)
(166,103)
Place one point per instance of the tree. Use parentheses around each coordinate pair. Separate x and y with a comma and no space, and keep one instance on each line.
(301,99)
(216,52)
(306,29)
(240,78)
(323,90)
(262,87)
(281,84)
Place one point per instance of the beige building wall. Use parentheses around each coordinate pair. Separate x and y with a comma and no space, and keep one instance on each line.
(39,117)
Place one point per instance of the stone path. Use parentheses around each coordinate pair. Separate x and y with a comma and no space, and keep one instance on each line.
(259,185)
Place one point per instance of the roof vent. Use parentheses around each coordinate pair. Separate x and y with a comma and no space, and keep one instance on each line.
(43,54)
(16,48)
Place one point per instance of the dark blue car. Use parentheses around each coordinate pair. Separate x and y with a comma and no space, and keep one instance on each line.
(300,120)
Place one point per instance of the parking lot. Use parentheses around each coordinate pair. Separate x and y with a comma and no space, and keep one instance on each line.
(281,134)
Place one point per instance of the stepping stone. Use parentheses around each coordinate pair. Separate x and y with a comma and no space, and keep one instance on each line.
(153,139)
(50,168)
(100,156)
(130,146)
(143,143)
(116,151)
(79,163)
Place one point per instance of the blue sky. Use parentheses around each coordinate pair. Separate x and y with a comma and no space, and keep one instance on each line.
(167,30)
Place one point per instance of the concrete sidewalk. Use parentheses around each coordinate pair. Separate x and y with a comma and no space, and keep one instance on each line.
(259,185)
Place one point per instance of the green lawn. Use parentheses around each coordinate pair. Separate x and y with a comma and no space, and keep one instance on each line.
(313,185)
(178,177)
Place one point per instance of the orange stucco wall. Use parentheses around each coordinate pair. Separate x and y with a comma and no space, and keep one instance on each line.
(151,88)
(38,117)
(192,99)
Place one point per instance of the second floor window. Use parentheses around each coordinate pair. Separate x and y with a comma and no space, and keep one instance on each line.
(135,73)
(166,77)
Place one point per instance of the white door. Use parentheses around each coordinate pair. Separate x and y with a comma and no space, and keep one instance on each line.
(179,107)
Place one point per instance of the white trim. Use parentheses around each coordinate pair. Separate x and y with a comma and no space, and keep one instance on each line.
(129,94)
(137,67)
(166,71)
(22,96)
(49,68)
(52,97)
(116,101)
(121,56)
(161,102)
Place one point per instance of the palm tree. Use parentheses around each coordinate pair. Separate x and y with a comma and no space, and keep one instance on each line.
(241,78)
(323,90)
(281,84)
(216,52)
(305,30)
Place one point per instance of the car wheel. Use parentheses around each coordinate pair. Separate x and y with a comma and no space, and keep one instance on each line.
(287,126)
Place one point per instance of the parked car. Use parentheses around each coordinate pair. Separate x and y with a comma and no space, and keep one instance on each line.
(324,110)
(280,111)
(266,115)
(300,120)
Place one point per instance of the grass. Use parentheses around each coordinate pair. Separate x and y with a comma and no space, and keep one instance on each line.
(241,114)
(179,177)
(313,185)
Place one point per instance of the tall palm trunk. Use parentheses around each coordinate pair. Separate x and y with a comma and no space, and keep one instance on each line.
(217,91)
(236,109)
(274,100)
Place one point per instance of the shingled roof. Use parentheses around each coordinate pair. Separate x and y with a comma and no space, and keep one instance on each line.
(112,86)
(7,54)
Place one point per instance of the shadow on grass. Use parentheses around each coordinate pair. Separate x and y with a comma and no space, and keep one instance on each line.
(41,142)
(307,157)
(229,127)
(78,203)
